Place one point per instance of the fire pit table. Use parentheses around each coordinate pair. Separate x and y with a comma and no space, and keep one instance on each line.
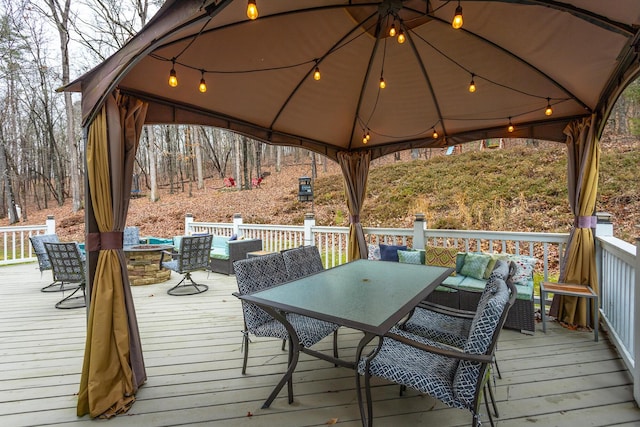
(143,264)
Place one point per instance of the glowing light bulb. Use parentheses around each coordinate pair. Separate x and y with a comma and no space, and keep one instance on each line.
(368,136)
(316,74)
(203,86)
(435,134)
(457,18)
(364,139)
(510,128)
(383,84)
(472,85)
(548,111)
(252,9)
(173,78)
(401,37)
(392,30)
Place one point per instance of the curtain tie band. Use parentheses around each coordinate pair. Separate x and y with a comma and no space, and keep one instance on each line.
(104,241)
(354,218)
(586,222)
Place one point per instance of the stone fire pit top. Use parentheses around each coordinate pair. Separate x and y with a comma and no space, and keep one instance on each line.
(147,248)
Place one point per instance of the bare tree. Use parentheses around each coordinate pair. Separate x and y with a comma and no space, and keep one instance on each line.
(153,164)
(60,14)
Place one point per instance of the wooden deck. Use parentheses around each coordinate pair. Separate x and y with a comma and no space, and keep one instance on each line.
(193,356)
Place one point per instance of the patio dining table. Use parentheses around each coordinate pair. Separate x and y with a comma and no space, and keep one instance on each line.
(370,296)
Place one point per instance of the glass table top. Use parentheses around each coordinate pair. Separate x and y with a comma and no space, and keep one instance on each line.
(371,296)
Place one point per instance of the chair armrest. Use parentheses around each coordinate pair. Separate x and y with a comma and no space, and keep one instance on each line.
(447,352)
(163,253)
(443,309)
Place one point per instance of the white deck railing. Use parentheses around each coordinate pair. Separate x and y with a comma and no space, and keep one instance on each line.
(16,247)
(617,263)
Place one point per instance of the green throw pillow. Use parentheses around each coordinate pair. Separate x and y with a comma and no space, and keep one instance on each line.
(409,257)
(475,265)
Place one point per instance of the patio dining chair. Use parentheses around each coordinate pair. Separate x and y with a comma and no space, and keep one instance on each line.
(302,261)
(44,264)
(258,273)
(68,266)
(192,255)
(450,326)
(455,376)
(131,236)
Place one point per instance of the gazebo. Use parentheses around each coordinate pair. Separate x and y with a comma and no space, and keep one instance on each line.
(352,80)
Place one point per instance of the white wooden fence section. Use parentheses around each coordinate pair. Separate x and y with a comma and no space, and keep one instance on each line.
(16,247)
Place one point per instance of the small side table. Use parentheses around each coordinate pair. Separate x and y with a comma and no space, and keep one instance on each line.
(258,253)
(572,290)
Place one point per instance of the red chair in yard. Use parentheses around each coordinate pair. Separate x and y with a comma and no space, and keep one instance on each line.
(255,182)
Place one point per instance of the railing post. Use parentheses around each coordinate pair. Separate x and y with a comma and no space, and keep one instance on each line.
(636,327)
(51,225)
(309,221)
(604,227)
(419,227)
(237,222)
(188,219)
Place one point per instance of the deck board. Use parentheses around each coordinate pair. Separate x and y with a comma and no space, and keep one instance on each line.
(192,349)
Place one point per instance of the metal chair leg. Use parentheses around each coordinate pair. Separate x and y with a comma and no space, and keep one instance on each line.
(179,289)
(70,301)
(486,404)
(245,346)
(493,401)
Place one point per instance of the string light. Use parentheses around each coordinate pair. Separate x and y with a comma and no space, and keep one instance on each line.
(548,111)
(457,18)
(203,85)
(472,85)
(401,36)
(252,13)
(173,78)
(252,9)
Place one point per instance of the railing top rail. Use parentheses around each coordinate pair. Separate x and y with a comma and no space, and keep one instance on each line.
(388,231)
(271,227)
(211,224)
(499,235)
(11,229)
(329,229)
(621,249)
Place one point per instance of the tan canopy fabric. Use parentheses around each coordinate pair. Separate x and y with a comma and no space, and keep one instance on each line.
(579,265)
(355,169)
(522,55)
(536,64)
(113,367)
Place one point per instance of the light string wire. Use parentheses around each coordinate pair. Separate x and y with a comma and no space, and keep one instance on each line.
(365,124)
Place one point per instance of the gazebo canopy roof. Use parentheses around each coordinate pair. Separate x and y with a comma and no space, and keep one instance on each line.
(523,55)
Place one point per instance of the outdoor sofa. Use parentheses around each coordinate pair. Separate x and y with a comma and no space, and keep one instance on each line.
(471,274)
(225,250)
